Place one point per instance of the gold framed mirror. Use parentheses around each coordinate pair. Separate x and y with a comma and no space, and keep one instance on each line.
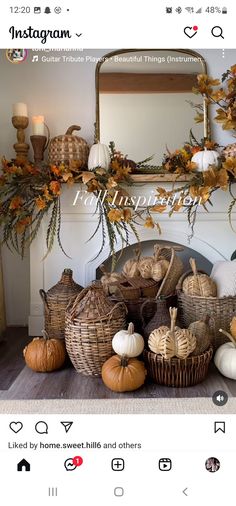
(145,103)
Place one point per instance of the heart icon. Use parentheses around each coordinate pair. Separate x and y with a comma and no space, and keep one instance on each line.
(190,31)
(16,426)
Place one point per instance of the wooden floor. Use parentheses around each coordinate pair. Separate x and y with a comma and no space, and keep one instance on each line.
(19,382)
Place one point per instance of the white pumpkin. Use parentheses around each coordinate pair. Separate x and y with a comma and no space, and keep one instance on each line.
(205,158)
(225,358)
(99,156)
(128,342)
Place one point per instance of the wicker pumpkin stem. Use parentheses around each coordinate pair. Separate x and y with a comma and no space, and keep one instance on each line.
(71,129)
(229,336)
(157,251)
(173,317)
(192,262)
(131,328)
(137,253)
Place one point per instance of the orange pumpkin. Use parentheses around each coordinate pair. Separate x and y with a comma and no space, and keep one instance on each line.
(123,374)
(45,355)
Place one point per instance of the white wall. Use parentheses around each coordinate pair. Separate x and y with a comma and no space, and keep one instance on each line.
(65,94)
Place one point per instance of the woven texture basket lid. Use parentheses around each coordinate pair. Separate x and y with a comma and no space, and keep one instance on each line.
(66,286)
(91,304)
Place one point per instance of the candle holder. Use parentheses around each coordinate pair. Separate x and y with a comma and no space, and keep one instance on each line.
(39,144)
(21,147)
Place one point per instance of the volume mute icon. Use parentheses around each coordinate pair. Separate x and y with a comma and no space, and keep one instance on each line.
(67,425)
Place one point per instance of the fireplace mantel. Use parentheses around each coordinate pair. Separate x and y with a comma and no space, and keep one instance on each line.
(213,238)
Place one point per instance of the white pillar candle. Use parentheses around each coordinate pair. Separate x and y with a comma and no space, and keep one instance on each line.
(20,109)
(38,125)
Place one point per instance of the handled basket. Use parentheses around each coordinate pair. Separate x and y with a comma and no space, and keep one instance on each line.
(91,322)
(220,311)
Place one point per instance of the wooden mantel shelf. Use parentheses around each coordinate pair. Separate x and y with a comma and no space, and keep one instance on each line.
(154,178)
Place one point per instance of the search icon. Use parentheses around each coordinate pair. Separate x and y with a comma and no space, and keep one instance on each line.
(217,31)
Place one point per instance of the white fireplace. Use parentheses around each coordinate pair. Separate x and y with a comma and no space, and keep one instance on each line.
(213,239)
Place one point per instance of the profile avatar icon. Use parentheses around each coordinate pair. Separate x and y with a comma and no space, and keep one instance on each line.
(212,465)
(16,55)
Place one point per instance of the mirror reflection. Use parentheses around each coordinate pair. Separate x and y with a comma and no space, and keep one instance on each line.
(145,102)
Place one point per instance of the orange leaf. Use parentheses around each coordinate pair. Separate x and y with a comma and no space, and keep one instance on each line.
(87,176)
(159,208)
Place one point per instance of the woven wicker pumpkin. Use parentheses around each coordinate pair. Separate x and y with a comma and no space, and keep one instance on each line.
(203,335)
(109,281)
(145,267)
(199,284)
(154,267)
(68,147)
(160,265)
(131,267)
(55,303)
(173,342)
(91,322)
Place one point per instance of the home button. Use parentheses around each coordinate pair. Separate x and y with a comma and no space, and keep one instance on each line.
(23,465)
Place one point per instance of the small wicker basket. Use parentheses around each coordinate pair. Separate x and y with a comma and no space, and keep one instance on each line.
(134,288)
(91,322)
(220,311)
(55,303)
(176,372)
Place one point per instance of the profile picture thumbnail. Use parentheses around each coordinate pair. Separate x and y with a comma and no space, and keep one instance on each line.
(212,465)
(16,55)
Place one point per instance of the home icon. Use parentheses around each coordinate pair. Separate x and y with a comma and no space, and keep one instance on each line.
(23,465)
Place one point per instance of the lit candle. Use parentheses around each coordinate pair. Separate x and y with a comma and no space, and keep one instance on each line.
(20,109)
(38,125)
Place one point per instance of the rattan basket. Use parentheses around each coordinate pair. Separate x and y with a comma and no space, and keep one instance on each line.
(91,322)
(220,311)
(177,372)
(135,288)
(55,302)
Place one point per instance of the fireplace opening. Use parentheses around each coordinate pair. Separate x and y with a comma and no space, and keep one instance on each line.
(147,250)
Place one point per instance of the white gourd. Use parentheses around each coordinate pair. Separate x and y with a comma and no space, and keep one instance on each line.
(99,156)
(225,357)
(128,342)
(205,158)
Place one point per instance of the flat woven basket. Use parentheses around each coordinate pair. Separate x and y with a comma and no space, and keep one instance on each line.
(55,302)
(135,288)
(220,311)
(91,322)
(175,270)
(176,372)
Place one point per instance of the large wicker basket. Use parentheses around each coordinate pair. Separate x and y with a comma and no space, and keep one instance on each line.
(91,322)
(220,311)
(176,372)
(55,303)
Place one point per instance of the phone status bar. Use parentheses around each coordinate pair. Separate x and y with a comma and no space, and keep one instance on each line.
(196,10)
